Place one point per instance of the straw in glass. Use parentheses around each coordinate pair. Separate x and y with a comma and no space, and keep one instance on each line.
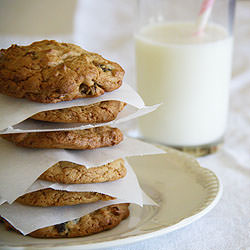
(204,15)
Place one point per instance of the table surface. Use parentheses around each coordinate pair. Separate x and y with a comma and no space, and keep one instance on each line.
(227,226)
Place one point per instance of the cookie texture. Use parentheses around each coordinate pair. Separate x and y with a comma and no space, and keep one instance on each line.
(100,220)
(49,72)
(75,139)
(49,197)
(72,173)
(100,112)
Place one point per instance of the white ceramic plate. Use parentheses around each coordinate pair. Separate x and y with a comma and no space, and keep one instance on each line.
(184,190)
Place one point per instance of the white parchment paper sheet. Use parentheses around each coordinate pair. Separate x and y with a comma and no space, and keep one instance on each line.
(15,110)
(29,125)
(118,189)
(28,219)
(20,167)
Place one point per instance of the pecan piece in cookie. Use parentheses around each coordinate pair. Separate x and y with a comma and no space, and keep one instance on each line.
(50,72)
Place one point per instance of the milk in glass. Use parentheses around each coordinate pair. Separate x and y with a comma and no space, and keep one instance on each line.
(189,75)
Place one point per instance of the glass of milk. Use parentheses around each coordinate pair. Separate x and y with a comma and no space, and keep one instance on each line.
(188,73)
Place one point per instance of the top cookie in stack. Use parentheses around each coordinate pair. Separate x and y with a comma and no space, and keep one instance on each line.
(51,72)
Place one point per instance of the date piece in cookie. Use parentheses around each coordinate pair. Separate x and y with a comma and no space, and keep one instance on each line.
(100,112)
(49,72)
(49,197)
(72,173)
(100,220)
(74,139)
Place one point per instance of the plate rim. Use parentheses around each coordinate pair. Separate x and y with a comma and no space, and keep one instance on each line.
(136,238)
(181,224)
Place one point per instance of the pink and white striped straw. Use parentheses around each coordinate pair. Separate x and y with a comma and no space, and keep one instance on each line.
(204,15)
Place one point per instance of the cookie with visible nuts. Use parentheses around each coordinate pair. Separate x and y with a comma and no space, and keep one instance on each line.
(75,139)
(100,220)
(100,112)
(49,72)
(72,173)
(49,197)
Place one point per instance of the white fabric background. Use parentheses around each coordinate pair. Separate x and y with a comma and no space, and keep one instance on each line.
(106,26)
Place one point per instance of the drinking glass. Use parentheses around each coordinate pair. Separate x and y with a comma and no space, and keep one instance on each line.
(186,70)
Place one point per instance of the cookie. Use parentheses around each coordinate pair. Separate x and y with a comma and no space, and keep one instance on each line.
(75,139)
(95,222)
(100,112)
(49,197)
(72,173)
(50,72)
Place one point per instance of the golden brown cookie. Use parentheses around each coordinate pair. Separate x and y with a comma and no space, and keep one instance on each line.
(95,222)
(49,197)
(72,173)
(75,139)
(100,112)
(50,72)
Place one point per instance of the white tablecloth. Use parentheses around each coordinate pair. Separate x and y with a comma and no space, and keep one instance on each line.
(227,226)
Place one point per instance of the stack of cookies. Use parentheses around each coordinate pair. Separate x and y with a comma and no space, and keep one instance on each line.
(52,72)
